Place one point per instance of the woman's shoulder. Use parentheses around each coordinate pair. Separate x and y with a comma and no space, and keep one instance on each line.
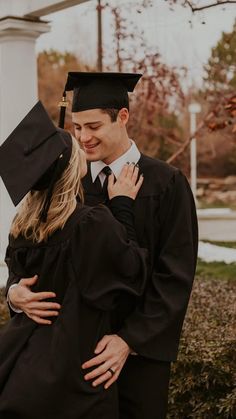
(58,236)
(98,214)
(97,211)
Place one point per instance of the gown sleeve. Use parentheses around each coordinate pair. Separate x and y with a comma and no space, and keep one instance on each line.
(153,328)
(122,209)
(12,279)
(106,261)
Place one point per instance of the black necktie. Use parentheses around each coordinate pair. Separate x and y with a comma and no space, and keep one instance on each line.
(107,172)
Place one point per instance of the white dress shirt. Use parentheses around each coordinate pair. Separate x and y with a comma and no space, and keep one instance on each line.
(132,155)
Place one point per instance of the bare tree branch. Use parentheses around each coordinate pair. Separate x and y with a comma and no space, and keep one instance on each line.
(185,144)
(207,6)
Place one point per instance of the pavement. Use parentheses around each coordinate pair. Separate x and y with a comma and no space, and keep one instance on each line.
(3,275)
(217,224)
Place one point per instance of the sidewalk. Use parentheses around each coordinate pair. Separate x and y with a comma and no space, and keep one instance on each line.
(3,275)
(217,224)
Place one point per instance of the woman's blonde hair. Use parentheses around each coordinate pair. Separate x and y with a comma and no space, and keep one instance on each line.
(63,203)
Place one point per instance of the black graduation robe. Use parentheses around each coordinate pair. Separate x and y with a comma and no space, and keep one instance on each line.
(166,224)
(87,266)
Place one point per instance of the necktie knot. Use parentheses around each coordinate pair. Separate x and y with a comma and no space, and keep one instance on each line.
(107,171)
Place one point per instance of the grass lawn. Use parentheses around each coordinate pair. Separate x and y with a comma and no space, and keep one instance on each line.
(216,270)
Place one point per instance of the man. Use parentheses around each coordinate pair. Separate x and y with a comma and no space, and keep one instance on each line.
(139,354)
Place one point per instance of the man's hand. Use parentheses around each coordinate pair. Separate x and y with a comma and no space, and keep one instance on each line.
(112,352)
(31,302)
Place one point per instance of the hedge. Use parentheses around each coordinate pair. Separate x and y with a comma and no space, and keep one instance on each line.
(203,379)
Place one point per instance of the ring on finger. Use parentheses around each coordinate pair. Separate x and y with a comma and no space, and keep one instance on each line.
(111,371)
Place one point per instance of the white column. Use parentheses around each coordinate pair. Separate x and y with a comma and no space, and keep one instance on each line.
(18,93)
(194,108)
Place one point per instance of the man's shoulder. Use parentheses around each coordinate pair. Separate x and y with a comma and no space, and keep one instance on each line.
(157,163)
(159,172)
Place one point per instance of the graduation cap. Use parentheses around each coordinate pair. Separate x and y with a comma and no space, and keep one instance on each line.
(98,91)
(34,156)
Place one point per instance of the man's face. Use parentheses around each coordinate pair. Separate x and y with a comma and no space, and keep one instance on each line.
(100,138)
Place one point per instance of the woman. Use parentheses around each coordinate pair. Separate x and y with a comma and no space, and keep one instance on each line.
(64,242)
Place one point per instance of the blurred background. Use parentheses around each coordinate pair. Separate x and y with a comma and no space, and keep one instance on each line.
(183,111)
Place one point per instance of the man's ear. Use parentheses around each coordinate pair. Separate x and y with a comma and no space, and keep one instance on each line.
(123,116)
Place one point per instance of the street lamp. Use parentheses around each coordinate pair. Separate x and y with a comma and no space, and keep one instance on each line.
(193,109)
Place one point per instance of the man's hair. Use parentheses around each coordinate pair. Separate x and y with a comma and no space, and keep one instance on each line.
(64,200)
(113,113)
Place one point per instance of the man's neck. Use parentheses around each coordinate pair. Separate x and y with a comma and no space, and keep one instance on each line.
(122,151)
(131,154)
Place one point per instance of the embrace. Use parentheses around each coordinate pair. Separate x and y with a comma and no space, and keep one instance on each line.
(101,257)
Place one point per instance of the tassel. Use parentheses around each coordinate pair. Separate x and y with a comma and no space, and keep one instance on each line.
(63,105)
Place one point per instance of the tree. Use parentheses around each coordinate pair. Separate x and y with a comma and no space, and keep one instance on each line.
(221,67)
(158,95)
(53,67)
(197,6)
(217,126)
(154,104)
(220,84)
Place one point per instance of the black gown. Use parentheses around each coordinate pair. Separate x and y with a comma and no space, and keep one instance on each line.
(165,224)
(87,266)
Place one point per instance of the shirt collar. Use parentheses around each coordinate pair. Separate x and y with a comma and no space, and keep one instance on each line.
(132,155)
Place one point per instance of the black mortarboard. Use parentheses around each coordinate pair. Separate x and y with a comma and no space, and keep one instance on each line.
(34,156)
(98,91)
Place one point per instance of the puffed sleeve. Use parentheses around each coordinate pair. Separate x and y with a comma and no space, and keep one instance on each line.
(12,278)
(153,329)
(122,207)
(106,261)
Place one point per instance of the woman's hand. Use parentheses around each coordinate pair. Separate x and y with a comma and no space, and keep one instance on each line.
(127,183)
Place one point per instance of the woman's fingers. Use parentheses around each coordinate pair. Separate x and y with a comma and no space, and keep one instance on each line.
(124,170)
(139,183)
(111,181)
(135,174)
(127,183)
(128,172)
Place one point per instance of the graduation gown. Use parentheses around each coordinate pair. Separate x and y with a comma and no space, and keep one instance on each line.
(166,224)
(87,266)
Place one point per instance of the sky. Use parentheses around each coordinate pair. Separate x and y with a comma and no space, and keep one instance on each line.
(182,39)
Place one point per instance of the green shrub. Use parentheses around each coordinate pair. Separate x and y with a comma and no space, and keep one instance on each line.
(4,314)
(203,379)
(213,270)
